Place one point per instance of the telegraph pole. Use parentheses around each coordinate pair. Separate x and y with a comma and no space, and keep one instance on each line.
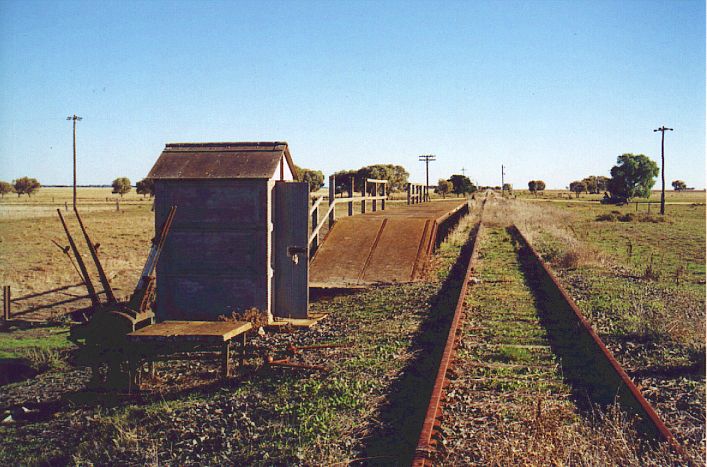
(662,130)
(503,174)
(463,171)
(426,158)
(75,119)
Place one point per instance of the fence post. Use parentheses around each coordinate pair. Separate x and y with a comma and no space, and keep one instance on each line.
(332,200)
(315,222)
(375,201)
(636,206)
(364,193)
(383,200)
(351,192)
(6,302)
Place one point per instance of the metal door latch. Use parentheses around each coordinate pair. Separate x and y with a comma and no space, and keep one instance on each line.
(294,252)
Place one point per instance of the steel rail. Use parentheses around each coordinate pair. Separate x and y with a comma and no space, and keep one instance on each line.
(425,444)
(645,406)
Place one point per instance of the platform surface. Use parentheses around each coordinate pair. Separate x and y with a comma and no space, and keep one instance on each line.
(380,247)
(202,331)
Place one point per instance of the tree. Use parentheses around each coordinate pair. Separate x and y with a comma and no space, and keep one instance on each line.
(6,188)
(396,175)
(602,183)
(444,187)
(121,185)
(146,186)
(591,184)
(315,178)
(508,187)
(532,186)
(536,185)
(343,181)
(25,185)
(595,183)
(578,187)
(679,185)
(632,177)
(462,185)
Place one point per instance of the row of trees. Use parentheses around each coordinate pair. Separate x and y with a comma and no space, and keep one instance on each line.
(122,185)
(396,175)
(21,186)
(633,176)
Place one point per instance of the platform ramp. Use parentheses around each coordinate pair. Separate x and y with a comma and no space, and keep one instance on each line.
(383,247)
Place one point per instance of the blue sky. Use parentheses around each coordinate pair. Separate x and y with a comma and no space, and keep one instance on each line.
(553,90)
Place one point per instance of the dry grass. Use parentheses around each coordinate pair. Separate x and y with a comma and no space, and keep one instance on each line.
(551,434)
(30,263)
(549,229)
(112,438)
(460,234)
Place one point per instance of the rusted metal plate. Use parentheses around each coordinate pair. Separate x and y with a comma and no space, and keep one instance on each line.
(379,247)
(202,331)
(220,160)
(398,249)
(341,259)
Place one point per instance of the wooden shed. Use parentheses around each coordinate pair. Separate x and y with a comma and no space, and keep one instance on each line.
(239,237)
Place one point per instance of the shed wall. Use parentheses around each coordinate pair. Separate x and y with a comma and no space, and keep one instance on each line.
(215,259)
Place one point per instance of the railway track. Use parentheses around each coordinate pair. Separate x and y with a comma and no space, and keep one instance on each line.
(522,372)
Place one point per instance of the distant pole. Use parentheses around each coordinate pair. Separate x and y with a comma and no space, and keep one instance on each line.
(662,130)
(426,158)
(503,175)
(463,171)
(75,119)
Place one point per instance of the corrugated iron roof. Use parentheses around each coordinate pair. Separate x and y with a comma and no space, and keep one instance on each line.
(220,160)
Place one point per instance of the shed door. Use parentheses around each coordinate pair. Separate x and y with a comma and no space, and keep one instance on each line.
(291,293)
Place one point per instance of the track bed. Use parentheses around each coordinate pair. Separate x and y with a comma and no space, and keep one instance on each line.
(507,373)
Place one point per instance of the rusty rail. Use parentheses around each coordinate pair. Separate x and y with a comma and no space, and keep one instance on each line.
(425,444)
(649,412)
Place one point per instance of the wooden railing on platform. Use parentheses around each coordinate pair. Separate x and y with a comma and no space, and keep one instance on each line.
(417,193)
(373,191)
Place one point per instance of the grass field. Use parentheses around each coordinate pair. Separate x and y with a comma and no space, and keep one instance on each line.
(31,263)
(689,196)
(640,280)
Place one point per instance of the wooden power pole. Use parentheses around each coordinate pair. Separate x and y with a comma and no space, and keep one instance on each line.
(662,130)
(426,158)
(75,119)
